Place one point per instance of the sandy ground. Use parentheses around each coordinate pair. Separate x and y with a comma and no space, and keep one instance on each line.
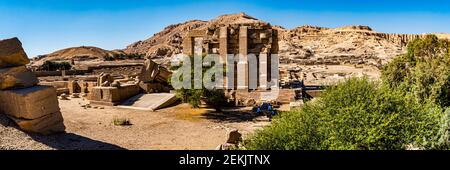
(177,127)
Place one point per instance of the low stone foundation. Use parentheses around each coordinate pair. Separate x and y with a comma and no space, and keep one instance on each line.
(112,96)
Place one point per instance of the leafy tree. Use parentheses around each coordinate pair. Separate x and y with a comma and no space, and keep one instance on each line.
(213,97)
(424,71)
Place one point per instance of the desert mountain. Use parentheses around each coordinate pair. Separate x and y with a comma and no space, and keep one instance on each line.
(82,53)
(343,45)
(302,45)
(164,44)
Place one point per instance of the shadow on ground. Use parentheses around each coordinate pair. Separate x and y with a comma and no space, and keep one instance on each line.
(64,141)
(234,114)
(71,141)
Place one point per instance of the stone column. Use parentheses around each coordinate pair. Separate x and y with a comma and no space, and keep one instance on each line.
(188,46)
(223,51)
(243,61)
(263,71)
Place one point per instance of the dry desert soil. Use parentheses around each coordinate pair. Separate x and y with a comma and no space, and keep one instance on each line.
(175,128)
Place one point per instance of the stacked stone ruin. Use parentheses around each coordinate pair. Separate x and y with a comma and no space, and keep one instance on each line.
(152,79)
(32,107)
(251,37)
(239,38)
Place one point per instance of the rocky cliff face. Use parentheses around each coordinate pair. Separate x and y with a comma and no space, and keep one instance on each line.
(161,46)
(302,45)
(164,44)
(345,45)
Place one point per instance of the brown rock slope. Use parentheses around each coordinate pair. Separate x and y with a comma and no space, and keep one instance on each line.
(77,53)
(164,44)
(344,45)
(302,45)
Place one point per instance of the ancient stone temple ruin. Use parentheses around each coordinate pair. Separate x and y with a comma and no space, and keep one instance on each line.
(242,37)
(111,92)
(32,107)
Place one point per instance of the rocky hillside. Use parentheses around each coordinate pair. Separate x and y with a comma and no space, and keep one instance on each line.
(302,45)
(82,53)
(164,44)
(344,45)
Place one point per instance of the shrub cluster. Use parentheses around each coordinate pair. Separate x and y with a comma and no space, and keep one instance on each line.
(54,66)
(407,109)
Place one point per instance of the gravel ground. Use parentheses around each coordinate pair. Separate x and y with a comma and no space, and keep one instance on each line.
(13,139)
(177,127)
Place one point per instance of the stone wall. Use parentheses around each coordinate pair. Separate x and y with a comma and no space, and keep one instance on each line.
(33,108)
(243,97)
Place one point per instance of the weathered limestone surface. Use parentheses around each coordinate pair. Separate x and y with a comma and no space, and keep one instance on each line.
(32,108)
(149,71)
(12,53)
(150,102)
(242,36)
(113,95)
(48,124)
(16,77)
(153,77)
(29,103)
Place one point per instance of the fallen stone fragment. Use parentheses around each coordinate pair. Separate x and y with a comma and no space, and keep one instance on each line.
(63,97)
(48,124)
(12,53)
(17,77)
(29,103)
(234,137)
(75,95)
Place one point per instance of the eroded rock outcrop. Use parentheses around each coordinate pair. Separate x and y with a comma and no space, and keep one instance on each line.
(310,45)
(302,45)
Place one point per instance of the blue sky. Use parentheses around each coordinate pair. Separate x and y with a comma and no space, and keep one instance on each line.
(44,26)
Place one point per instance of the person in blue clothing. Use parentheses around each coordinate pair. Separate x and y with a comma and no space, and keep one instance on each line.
(258,110)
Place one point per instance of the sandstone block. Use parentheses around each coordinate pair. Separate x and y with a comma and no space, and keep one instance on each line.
(234,137)
(48,124)
(29,103)
(12,53)
(17,77)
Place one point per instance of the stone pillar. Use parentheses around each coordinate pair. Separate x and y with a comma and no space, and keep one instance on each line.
(263,71)
(223,43)
(188,46)
(243,61)
(223,51)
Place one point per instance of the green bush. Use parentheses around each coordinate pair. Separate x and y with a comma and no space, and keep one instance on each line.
(122,122)
(410,108)
(424,71)
(357,114)
(214,97)
(54,66)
